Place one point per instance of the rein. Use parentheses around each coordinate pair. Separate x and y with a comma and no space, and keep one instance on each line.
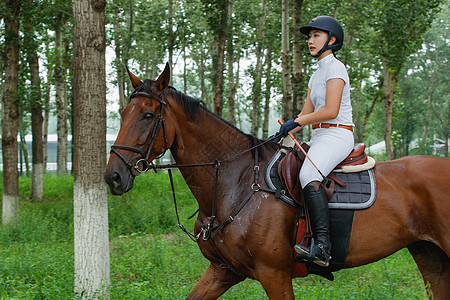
(142,165)
(209,232)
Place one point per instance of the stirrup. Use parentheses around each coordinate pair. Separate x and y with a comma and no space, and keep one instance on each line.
(324,260)
(304,251)
(307,253)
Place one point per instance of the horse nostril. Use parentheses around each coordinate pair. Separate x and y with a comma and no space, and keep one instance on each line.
(113,179)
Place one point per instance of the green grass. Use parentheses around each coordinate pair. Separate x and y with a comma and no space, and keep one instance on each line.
(150,257)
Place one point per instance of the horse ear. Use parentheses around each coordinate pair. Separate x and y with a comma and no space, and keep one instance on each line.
(135,81)
(164,79)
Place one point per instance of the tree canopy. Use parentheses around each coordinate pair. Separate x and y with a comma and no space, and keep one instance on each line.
(395,51)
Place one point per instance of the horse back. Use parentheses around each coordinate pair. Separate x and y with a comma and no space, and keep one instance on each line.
(416,170)
(412,205)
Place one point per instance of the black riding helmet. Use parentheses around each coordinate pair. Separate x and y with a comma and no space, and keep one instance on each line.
(327,24)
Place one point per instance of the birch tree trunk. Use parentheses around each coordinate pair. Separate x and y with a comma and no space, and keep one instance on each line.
(287,105)
(10,113)
(91,245)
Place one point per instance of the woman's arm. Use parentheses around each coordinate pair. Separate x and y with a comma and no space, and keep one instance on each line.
(335,87)
(308,107)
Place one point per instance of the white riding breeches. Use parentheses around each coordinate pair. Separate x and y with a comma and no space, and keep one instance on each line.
(328,147)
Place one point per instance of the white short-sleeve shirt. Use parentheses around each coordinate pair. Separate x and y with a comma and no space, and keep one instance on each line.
(330,67)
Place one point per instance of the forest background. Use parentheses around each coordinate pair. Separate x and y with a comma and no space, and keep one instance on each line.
(245,59)
(249,63)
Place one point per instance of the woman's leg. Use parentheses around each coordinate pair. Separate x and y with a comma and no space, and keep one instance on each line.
(328,148)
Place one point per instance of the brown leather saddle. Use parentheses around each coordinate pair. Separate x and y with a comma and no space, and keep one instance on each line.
(289,168)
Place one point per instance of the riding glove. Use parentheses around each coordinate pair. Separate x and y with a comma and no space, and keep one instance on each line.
(288,126)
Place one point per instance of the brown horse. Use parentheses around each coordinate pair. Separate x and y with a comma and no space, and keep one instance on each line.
(412,208)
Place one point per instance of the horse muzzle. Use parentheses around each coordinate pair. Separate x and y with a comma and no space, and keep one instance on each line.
(119,184)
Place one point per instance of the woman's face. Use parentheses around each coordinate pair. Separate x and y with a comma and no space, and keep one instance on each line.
(317,39)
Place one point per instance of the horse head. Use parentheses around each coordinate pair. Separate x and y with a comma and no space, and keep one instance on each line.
(146,132)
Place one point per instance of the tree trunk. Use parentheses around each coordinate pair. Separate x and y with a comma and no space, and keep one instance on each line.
(287,105)
(218,62)
(297,78)
(91,244)
(119,66)
(389,84)
(10,113)
(427,119)
(370,109)
(23,148)
(122,49)
(446,124)
(201,69)
(45,123)
(256,89)
(37,174)
(171,42)
(230,60)
(357,112)
(267,93)
(185,62)
(61,99)
(446,130)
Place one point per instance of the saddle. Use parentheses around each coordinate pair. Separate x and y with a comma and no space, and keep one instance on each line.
(289,168)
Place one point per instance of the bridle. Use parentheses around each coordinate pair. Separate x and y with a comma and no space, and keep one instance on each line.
(142,165)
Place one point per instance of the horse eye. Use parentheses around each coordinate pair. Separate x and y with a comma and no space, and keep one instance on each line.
(148,115)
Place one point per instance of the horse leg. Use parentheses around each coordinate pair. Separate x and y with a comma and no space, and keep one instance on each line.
(434,264)
(276,283)
(214,283)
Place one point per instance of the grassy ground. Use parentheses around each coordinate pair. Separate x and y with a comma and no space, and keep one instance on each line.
(150,257)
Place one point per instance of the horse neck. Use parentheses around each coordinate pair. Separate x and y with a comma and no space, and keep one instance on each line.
(206,140)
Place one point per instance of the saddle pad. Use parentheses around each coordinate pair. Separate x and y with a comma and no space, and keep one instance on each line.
(360,192)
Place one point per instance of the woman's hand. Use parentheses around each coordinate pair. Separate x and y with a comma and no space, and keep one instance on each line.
(288,126)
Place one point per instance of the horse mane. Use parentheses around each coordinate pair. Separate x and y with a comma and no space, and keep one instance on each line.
(192,106)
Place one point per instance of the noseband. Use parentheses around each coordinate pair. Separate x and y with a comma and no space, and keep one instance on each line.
(142,165)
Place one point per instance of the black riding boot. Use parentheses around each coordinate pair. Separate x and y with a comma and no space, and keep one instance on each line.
(317,203)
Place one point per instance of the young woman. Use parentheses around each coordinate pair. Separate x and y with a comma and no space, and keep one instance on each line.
(328,109)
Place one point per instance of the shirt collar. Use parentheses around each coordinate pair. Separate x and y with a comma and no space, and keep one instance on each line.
(325,60)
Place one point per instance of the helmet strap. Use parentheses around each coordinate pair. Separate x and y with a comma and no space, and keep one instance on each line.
(325,47)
